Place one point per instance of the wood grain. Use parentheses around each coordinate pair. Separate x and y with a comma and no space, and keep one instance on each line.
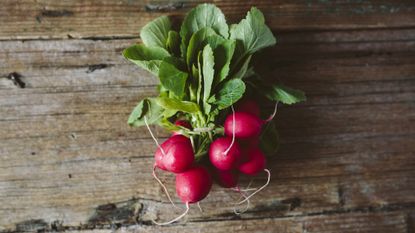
(68,161)
(27,19)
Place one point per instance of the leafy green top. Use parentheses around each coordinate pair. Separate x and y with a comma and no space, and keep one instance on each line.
(202,70)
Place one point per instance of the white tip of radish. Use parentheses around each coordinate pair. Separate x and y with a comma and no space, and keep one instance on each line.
(265,185)
(273,114)
(152,135)
(233,131)
(200,208)
(162,185)
(237,212)
(176,219)
(248,202)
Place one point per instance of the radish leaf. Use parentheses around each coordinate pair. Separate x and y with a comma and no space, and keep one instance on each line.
(173,42)
(148,58)
(202,16)
(196,43)
(284,94)
(231,92)
(172,78)
(145,108)
(156,32)
(178,105)
(208,75)
(251,33)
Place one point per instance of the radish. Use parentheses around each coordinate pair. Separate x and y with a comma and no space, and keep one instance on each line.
(226,179)
(248,106)
(182,123)
(245,126)
(175,154)
(194,184)
(255,162)
(224,153)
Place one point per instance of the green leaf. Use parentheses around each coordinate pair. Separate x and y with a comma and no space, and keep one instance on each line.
(148,58)
(231,92)
(173,42)
(172,79)
(251,33)
(223,56)
(269,142)
(202,16)
(200,77)
(155,33)
(169,126)
(178,105)
(223,50)
(242,71)
(196,43)
(284,94)
(148,109)
(138,112)
(208,75)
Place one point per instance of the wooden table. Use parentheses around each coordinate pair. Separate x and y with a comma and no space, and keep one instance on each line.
(68,160)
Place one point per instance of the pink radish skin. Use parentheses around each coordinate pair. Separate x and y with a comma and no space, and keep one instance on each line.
(178,154)
(193,185)
(246,125)
(248,106)
(255,163)
(182,123)
(218,157)
(226,179)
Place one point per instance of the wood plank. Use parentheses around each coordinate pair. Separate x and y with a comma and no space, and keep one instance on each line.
(358,222)
(346,222)
(28,19)
(66,152)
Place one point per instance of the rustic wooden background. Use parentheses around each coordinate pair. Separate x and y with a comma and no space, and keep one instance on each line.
(68,160)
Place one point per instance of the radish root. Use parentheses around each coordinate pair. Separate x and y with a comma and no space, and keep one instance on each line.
(154,167)
(233,132)
(152,135)
(176,219)
(162,185)
(265,185)
(273,114)
(248,202)
(200,208)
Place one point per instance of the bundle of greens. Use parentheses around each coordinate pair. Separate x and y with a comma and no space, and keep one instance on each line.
(204,70)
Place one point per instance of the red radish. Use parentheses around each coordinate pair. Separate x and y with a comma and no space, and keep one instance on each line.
(175,154)
(182,123)
(256,162)
(226,179)
(224,153)
(248,106)
(245,126)
(193,185)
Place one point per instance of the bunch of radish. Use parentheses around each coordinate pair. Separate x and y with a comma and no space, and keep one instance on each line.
(204,71)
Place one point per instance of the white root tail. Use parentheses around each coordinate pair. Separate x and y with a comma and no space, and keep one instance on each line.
(273,114)
(200,208)
(248,202)
(152,135)
(233,132)
(176,219)
(252,194)
(162,185)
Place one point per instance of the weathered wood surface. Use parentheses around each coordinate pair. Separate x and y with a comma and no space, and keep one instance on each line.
(25,19)
(68,161)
